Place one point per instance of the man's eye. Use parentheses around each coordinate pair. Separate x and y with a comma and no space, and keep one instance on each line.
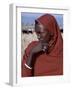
(38,32)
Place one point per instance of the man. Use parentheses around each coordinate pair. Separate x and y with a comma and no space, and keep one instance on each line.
(44,57)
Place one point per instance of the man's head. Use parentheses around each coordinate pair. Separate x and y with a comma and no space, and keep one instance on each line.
(48,32)
(42,34)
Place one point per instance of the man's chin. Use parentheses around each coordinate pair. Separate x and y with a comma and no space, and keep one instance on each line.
(41,41)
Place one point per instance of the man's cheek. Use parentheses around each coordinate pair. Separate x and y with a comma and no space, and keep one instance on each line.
(47,38)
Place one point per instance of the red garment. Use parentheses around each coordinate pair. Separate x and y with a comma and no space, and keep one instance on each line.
(46,64)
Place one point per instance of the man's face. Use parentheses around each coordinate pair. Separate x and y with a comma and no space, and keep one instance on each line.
(42,34)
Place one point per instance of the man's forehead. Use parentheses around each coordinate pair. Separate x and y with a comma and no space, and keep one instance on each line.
(40,27)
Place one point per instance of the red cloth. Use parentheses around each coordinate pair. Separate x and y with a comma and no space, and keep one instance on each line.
(46,64)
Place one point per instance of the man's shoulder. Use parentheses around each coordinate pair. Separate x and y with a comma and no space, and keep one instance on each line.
(33,42)
(31,45)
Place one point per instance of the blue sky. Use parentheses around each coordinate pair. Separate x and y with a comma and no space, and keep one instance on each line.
(29,18)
